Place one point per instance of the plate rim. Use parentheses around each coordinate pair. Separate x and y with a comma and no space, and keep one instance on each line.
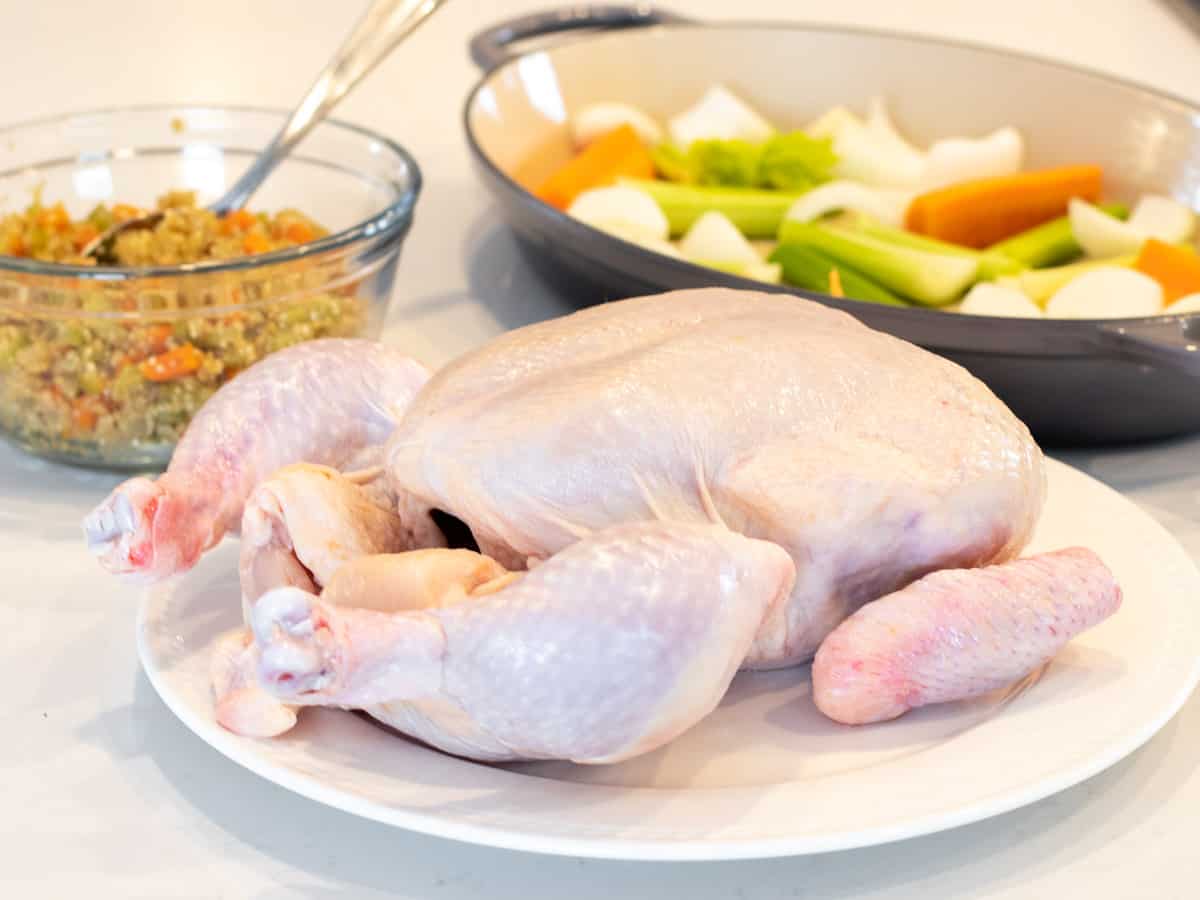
(659,848)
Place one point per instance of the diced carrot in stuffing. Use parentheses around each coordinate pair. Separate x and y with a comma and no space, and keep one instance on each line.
(238,220)
(157,335)
(175,363)
(84,415)
(123,212)
(55,217)
(83,234)
(255,243)
(299,233)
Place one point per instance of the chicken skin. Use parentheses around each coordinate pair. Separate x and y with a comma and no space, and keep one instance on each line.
(657,493)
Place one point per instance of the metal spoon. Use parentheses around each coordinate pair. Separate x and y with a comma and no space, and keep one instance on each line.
(384,25)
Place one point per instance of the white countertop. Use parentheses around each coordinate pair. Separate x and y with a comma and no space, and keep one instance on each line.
(105,794)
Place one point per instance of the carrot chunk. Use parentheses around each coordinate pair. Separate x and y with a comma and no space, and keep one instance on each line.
(982,212)
(619,152)
(1176,269)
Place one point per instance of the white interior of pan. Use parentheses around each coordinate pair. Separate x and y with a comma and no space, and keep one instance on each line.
(1144,141)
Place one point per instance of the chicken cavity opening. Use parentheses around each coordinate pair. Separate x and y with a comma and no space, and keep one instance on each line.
(457,533)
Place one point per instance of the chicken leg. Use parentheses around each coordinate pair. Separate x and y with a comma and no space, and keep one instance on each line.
(418,579)
(611,647)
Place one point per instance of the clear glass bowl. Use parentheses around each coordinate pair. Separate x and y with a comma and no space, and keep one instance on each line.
(71,337)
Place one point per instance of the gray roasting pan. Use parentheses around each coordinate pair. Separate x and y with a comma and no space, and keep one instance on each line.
(1074,382)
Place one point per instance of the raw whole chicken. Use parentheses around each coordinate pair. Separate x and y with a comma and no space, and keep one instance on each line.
(661,491)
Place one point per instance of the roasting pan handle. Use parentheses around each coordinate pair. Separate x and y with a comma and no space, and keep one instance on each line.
(490,47)
(1168,342)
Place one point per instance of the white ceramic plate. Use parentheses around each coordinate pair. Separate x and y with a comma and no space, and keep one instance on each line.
(765,775)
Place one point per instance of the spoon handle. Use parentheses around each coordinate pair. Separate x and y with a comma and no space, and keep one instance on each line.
(384,25)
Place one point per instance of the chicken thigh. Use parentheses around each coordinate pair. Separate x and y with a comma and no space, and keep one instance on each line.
(609,649)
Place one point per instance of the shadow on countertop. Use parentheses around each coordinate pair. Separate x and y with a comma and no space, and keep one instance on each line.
(502,292)
(1173,463)
(1163,477)
(501,277)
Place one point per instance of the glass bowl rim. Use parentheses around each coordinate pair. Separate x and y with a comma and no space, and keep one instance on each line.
(397,215)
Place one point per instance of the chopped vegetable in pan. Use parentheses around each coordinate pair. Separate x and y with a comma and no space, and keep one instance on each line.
(849,206)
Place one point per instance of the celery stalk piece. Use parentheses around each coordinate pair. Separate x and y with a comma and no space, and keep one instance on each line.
(1041,284)
(991,265)
(807,268)
(672,163)
(1049,244)
(756,213)
(791,161)
(931,279)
